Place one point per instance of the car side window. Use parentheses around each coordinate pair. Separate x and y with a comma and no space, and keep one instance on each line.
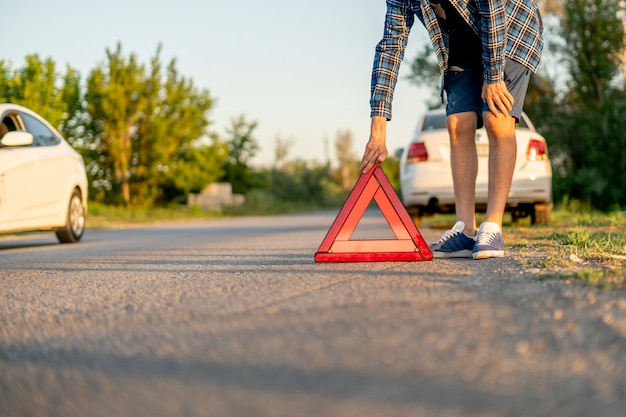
(522,122)
(42,135)
(7,125)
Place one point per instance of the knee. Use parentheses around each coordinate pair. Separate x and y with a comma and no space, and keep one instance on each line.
(462,125)
(499,126)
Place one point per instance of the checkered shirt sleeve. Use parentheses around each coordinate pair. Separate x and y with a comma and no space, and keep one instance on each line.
(389,55)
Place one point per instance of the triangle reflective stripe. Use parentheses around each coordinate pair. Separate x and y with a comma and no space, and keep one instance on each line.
(338,246)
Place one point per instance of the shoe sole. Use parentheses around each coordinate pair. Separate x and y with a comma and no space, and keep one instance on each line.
(486,254)
(466,253)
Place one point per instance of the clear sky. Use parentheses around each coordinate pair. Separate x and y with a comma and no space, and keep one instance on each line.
(300,69)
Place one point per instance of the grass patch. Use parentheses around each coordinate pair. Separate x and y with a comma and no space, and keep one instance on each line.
(587,247)
(102,216)
(257,203)
(578,245)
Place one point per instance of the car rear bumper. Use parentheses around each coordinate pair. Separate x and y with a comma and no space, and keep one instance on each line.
(524,191)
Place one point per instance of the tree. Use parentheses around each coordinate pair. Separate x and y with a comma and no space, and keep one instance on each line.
(278,175)
(241,148)
(595,41)
(348,165)
(196,165)
(425,72)
(148,130)
(622,7)
(114,94)
(172,138)
(39,87)
(593,128)
(281,151)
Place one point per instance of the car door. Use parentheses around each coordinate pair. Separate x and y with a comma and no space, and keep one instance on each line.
(19,179)
(52,170)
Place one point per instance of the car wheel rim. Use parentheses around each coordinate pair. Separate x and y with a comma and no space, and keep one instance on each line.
(77,216)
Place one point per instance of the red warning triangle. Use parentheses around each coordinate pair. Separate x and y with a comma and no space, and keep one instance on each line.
(408,245)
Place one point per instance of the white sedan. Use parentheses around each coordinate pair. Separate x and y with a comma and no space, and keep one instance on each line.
(426,177)
(43,183)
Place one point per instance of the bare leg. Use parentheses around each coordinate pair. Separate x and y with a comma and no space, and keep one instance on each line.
(464,163)
(502,155)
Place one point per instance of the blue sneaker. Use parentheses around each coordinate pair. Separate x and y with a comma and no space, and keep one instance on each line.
(489,242)
(453,243)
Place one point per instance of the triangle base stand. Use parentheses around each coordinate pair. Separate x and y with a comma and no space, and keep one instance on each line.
(338,246)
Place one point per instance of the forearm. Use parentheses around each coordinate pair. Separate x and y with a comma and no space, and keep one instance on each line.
(376,148)
(378,129)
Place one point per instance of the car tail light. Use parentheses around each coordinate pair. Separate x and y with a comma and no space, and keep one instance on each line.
(537,150)
(417,153)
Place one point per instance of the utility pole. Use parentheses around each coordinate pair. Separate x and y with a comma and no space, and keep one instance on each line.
(327,154)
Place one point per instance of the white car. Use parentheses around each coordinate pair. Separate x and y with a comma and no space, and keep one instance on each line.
(426,177)
(43,183)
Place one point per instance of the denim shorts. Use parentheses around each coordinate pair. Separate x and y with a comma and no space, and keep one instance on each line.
(463,89)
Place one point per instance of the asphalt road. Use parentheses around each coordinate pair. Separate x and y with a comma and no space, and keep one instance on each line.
(234,318)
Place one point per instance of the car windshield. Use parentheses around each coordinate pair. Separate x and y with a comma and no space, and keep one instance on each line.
(436,121)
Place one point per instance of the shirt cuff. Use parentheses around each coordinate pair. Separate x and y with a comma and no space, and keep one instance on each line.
(493,75)
(380,108)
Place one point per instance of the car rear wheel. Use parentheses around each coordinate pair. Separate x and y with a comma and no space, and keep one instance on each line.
(75,221)
(541,213)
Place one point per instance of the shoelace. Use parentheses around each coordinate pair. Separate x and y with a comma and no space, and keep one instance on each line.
(447,235)
(485,238)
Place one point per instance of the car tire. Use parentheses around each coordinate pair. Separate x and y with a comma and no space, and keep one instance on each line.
(541,213)
(75,220)
(522,211)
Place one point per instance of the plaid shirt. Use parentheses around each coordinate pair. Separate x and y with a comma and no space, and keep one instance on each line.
(507,28)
